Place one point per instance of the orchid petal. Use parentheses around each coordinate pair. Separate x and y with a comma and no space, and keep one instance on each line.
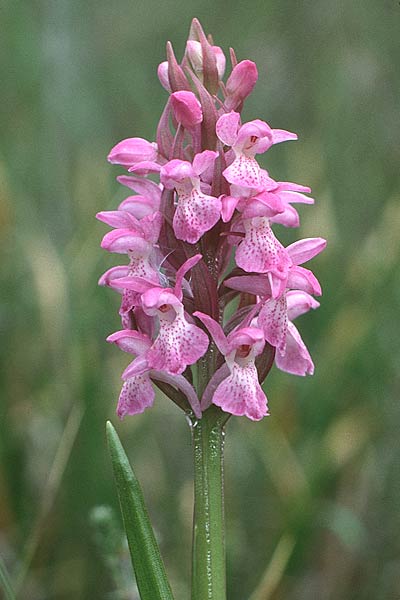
(183,385)
(132,282)
(132,150)
(117,218)
(137,394)
(195,214)
(299,302)
(303,279)
(258,285)
(145,167)
(273,319)
(137,367)
(181,272)
(177,345)
(203,161)
(260,251)
(215,330)
(289,217)
(227,128)
(139,206)
(289,196)
(145,187)
(187,108)
(244,171)
(130,341)
(304,250)
(114,273)
(240,83)
(228,206)
(280,135)
(123,241)
(297,359)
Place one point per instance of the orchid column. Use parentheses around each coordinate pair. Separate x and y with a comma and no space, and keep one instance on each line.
(199,236)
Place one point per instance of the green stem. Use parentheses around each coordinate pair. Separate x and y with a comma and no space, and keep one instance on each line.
(208,567)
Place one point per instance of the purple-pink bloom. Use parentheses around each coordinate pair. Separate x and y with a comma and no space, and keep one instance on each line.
(179,343)
(254,137)
(196,212)
(240,392)
(137,392)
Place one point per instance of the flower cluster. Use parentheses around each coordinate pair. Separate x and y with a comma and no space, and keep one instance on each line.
(209,293)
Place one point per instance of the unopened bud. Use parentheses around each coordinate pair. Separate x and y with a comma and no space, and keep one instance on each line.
(195,55)
(240,83)
(162,73)
(131,151)
(187,109)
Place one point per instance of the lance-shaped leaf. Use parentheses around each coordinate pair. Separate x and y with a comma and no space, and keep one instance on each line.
(147,563)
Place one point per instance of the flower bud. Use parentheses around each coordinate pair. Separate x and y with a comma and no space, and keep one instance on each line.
(195,55)
(162,73)
(240,83)
(187,109)
(132,150)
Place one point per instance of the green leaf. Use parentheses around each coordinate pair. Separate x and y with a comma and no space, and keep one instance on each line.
(147,563)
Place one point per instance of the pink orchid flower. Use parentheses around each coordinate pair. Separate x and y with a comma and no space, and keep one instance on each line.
(240,392)
(196,212)
(254,137)
(269,285)
(275,319)
(179,343)
(137,239)
(277,311)
(137,392)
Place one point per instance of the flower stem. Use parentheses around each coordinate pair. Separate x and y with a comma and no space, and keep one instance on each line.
(208,567)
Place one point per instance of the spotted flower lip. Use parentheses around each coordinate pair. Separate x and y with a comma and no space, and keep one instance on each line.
(199,230)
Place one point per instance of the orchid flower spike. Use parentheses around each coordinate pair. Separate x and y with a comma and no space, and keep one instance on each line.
(199,230)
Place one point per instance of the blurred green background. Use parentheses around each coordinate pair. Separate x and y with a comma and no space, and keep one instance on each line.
(312,492)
